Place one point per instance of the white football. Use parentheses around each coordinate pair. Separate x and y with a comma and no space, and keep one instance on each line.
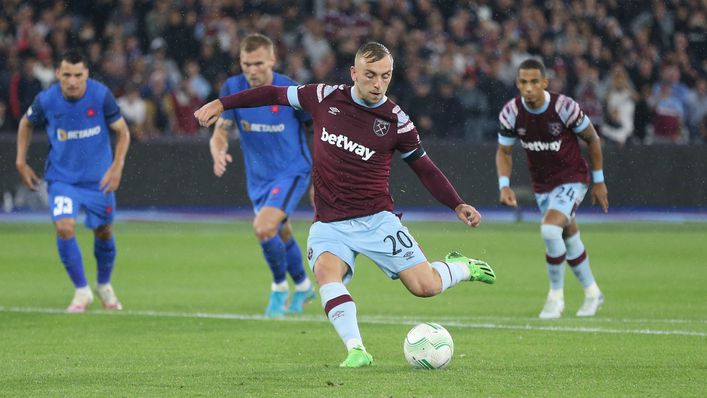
(428,346)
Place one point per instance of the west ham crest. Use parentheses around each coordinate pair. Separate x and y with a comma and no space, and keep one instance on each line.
(381,127)
(555,128)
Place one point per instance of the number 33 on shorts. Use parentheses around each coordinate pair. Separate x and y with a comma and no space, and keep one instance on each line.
(63,205)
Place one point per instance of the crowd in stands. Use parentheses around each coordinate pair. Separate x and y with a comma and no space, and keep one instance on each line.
(637,68)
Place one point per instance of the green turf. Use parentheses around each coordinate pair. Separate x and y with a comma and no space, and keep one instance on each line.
(648,340)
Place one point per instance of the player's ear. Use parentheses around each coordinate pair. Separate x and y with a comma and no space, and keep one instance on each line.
(353,74)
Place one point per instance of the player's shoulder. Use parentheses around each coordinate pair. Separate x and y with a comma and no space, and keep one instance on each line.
(562,101)
(236,83)
(283,80)
(96,86)
(511,105)
(324,91)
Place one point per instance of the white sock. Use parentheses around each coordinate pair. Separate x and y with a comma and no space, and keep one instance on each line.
(280,287)
(556,294)
(341,311)
(451,273)
(303,286)
(84,290)
(592,290)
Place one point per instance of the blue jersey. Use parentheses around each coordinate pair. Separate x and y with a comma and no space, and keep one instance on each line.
(272,138)
(80,149)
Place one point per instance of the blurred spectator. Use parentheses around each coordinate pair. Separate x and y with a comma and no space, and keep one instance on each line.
(134,110)
(668,116)
(620,108)
(475,106)
(580,41)
(182,103)
(24,86)
(197,83)
(697,109)
(448,118)
(44,67)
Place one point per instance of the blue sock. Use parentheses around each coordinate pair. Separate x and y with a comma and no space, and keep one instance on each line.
(104,250)
(341,311)
(294,262)
(276,257)
(71,257)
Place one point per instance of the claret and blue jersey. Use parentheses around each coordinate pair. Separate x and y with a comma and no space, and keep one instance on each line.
(272,139)
(78,132)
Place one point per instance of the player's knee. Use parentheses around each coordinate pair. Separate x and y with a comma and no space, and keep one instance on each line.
(264,232)
(104,232)
(65,230)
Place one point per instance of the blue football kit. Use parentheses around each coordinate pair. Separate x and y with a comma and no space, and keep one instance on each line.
(278,170)
(79,155)
(277,159)
(80,150)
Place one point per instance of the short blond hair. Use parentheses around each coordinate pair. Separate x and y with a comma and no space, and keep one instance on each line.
(255,41)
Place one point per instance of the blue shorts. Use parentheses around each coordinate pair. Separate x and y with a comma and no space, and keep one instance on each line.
(283,193)
(564,198)
(380,237)
(65,201)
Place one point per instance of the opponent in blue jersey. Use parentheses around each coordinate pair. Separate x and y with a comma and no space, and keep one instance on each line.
(80,170)
(278,168)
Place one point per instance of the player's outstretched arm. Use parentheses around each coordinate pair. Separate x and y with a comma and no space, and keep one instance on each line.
(504,165)
(252,98)
(439,186)
(599,193)
(24,136)
(111,179)
(218,144)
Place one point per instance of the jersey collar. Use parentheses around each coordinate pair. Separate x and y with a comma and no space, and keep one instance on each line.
(362,103)
(537,111)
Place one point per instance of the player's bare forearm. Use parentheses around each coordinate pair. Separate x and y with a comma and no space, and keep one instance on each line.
(218,144)
(504,165)
(24,135)
(590,136)
(111,179)
(504,160)
(219,138)
(122,141)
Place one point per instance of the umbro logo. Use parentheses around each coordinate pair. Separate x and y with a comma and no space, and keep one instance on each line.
(334,110)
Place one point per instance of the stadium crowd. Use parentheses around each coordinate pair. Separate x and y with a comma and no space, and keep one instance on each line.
(637,68)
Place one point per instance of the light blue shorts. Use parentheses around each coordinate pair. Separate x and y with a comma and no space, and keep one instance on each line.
(564,198)
(66,200)
(380,237)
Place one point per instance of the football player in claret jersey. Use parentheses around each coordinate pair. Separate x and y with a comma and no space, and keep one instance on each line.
(80,170)
(278,167)
(548,126)
(357,130)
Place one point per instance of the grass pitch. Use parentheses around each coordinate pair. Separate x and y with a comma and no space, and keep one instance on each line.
(193,295)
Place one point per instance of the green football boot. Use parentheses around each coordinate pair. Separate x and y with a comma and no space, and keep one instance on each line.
(357,358)
(480,270)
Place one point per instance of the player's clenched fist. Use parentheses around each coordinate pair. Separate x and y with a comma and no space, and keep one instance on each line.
(468,215)
(209,113)
(508,197)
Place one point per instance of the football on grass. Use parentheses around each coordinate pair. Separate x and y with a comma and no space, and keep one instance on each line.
(428,346)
